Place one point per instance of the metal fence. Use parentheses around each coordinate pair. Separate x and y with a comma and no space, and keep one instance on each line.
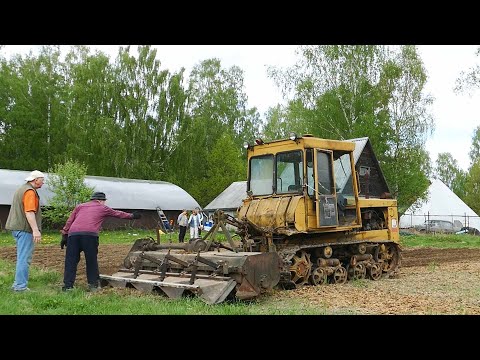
(410,220)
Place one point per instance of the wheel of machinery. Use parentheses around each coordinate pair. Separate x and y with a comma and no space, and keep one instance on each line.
(357,271)
(198,245)
(318,276)
(375,271)
(339,276)
(389,257)
(127,263)
(362,248)
(301,267)
(327,252)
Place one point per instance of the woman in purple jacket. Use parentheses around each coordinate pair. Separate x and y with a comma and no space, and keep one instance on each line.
(82,228)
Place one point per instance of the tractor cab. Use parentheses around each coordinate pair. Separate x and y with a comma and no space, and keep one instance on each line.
(315,174)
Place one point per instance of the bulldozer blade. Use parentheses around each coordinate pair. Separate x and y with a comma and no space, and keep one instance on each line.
(146,288)
(172,293)
(211,291)
(112,282)
(149,280)
(247,291)
(214,291)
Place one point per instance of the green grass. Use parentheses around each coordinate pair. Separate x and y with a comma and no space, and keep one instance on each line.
(46,298)
(107,237)
(441,241)
(130,235)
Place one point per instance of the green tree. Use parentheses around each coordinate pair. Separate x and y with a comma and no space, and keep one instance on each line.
(446,168)
(472,187)
(127,115)
(67,182)
(333,89)
(151,106)
(121,117)
(403,81)
(226,163)
(91,133)
(458,185)
(30,123)
(419,163)
(468,81)
(343,92)
(475,148)
(216,107)
(281,122)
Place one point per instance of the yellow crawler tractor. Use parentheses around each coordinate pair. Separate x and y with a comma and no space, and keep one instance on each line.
(303,220)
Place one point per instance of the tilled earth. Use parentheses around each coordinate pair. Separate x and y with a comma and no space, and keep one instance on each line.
(430,281)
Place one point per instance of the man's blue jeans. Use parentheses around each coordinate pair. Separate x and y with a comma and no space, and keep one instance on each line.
(25,246)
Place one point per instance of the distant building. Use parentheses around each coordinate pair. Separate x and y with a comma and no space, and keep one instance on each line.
(122,194)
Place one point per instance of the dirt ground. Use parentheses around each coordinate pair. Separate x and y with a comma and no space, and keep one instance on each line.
(430,281)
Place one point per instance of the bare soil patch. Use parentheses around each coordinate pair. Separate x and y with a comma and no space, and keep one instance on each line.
(110,258)
(430,281)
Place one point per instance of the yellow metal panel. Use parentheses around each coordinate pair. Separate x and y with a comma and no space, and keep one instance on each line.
(393,224)
(252,209)
(242,212)
(282,217)
(311,213)
(266,211)
(291,209)
(300,216)
(276,212)
(372,235)
(328,144)
(287,145)
(317,195)
(273,148)
(355,189)
(365,203)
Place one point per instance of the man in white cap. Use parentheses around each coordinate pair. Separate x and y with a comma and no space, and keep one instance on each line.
(25,222)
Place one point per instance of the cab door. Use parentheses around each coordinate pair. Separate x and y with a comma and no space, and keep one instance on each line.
(325,194)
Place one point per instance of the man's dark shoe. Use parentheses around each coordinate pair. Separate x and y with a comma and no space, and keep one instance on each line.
(93,288)
(67,288)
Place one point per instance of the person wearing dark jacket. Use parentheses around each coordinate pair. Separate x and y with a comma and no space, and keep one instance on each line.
(182,222)
(80,233)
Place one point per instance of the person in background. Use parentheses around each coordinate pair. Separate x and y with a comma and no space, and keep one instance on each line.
(182,222)
(194,224)
(82,229)
(200,216)
(25,222)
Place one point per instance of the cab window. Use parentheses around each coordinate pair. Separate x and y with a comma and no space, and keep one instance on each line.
(289,170)
(261,175)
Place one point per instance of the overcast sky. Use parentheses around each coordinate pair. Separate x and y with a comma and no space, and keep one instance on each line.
(456,116)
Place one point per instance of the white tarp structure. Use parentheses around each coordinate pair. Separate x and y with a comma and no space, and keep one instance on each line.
(230,198)
(442,204)
(121,193)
